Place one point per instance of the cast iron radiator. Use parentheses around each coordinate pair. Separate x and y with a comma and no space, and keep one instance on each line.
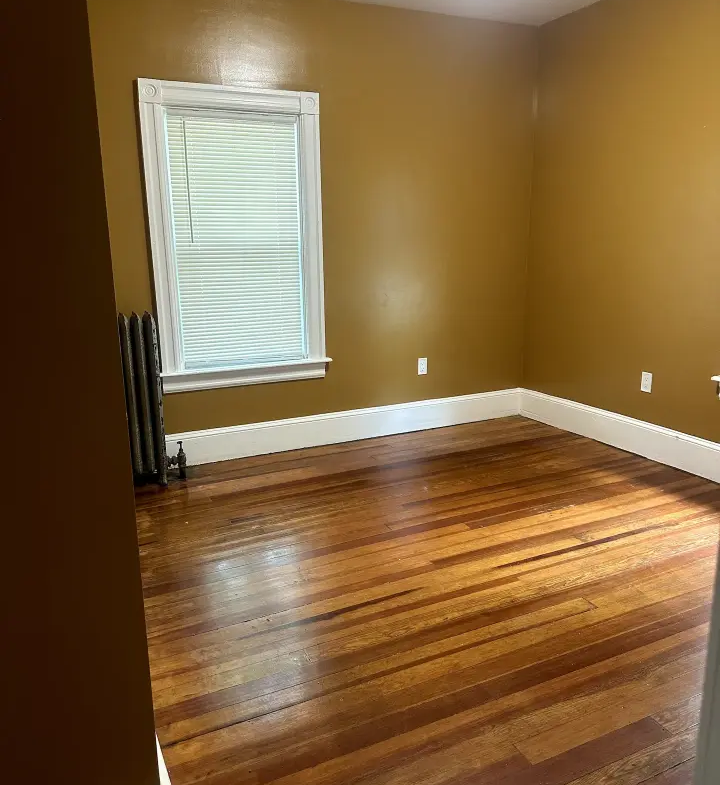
(144,400)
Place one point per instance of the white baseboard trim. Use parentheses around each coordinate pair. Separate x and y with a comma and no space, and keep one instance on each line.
(663,445)
(263,438)
(162,768)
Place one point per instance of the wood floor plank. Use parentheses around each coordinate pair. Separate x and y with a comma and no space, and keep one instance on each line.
(682,717)
(492,604)
(682,774)
(643,766)
(587,757)
(637,702)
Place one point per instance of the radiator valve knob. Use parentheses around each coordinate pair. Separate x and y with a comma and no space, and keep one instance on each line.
(182,461)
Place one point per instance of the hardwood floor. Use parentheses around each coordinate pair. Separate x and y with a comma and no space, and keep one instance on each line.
(500,603)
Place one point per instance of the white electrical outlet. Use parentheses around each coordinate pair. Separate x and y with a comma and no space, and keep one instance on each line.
(422,366)
(646,382)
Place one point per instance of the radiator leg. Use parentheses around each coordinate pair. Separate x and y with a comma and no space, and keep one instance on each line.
(182,462)
(163,474)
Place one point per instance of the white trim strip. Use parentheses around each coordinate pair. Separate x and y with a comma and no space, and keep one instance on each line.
(217,96)
(244,375)
(663,445)
(242,441)
(162,768)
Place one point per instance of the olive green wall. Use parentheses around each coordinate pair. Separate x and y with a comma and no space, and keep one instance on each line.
(428,139)
(625,260)
(426,135)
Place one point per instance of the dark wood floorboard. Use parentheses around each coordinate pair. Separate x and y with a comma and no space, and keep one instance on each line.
(500,603)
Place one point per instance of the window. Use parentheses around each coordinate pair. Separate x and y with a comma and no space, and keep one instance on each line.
(233,192)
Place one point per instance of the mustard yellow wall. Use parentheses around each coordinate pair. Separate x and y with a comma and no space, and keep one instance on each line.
(426,130)
(625,262)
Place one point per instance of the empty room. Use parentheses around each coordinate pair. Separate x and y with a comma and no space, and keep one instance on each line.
(405,318)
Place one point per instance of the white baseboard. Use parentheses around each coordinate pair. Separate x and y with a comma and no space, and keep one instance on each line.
(242,441)
(673,448)
(663,445)
(162,768)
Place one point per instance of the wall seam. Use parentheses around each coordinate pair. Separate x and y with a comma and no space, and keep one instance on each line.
(531,210)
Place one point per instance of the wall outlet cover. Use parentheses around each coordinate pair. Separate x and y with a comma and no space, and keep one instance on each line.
(422,366)
(646,382)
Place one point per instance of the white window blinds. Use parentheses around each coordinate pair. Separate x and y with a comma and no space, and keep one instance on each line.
(236,215)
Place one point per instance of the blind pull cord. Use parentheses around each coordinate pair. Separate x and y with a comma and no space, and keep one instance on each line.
(187,184)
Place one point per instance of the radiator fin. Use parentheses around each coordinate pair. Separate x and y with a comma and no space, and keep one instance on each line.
(143,396)
(141,375)
(128,363)
(155,390)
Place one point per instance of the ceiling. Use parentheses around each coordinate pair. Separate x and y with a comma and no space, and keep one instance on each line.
(530,12)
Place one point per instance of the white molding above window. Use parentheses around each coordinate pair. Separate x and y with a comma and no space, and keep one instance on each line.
(156,99)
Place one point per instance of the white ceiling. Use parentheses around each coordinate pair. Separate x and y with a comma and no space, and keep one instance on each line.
(529,12)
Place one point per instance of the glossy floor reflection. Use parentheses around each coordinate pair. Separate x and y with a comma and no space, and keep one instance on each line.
(499,602)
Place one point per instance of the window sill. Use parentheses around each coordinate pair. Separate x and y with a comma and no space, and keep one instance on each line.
(250,374)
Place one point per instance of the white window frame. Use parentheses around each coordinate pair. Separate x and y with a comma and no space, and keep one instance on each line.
(155,97)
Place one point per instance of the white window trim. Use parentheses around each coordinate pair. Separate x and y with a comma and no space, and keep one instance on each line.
(155,96)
